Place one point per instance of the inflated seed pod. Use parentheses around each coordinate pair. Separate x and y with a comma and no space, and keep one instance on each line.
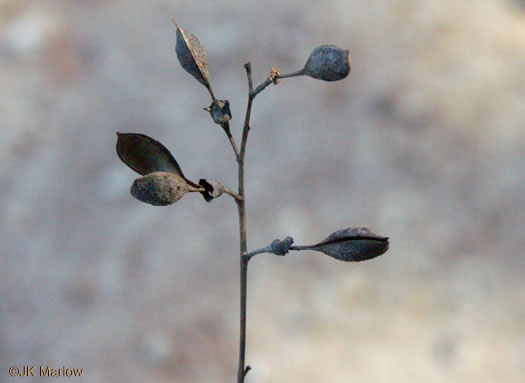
(328,63)
(161,188)
(192,56)
(351,245)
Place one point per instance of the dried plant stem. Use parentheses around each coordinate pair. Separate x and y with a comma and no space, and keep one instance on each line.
(293,74)
(262,250)
(241,204)
(243,272)
(261,87)
(268,81)
(226,127)
(231,193)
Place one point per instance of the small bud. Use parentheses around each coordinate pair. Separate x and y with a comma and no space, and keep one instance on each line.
(351,245)
(220,111)
(161,188)
(192,56)
(328,63)
(281,247)
(212,189)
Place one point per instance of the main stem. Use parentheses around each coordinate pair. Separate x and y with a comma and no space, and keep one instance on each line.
(242,370)
(241,204)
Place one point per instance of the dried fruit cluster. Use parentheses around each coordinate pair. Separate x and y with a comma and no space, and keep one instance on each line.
(162,181)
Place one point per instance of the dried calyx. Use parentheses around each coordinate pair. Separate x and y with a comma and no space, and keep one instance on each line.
(220,111)
(275,74)
(163,182)
(212,189)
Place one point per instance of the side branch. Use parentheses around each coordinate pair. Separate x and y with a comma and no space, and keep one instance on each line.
(277,247)
(262,250)
(349,245)
(261,87)
(230,192)
(246,128)
(275,80)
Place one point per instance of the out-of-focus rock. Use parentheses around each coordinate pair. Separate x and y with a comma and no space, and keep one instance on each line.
(33,30)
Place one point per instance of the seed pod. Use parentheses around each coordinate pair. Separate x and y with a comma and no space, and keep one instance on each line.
(161,188)
(351,245)
(145,155)
(192,56)
(328,63)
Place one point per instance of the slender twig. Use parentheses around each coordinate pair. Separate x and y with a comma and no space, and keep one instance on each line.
(226,128)
(267,249)
(269,81)
(246,128)
(228,191)
(210,90)
(261,87)
(293,74)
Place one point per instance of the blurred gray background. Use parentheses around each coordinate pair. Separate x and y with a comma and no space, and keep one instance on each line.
(424,142)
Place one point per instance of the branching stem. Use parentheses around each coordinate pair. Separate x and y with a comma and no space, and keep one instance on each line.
(240,198)
(269,250)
